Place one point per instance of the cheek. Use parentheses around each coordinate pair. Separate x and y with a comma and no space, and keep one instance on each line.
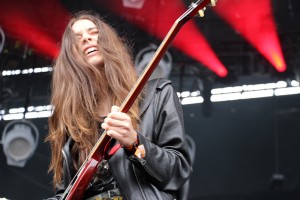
(74,48)
(77,52)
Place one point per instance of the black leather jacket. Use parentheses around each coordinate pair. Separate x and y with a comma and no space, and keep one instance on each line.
(166,166)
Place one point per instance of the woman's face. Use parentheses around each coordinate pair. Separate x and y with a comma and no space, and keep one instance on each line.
(87,37)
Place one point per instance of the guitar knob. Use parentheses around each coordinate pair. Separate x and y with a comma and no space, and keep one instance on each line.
(213,2)
(201,13)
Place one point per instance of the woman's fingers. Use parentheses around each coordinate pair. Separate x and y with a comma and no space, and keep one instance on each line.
(115,109)
(118,125)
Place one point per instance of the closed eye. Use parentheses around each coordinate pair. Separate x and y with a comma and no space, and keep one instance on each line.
(94,32)
(78,36)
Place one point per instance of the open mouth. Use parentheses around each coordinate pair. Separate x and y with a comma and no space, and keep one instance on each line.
(90,50)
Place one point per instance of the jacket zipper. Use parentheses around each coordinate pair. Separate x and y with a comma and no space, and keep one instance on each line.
(138,182)
(149,169)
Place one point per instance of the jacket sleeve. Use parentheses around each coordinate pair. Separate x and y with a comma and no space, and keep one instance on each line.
(167,163)
(57,196)
(68,171)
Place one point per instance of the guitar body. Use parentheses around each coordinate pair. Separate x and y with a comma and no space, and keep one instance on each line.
(83,179)
(76,190)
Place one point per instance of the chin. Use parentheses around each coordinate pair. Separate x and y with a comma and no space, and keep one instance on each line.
(96,61)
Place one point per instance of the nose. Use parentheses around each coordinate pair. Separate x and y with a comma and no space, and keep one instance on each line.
(86,37)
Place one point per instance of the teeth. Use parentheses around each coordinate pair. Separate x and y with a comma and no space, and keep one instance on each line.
(91,49)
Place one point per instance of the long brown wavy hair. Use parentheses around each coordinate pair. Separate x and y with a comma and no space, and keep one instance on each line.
(78,87)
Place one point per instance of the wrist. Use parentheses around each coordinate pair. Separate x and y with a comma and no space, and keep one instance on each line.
(134,145)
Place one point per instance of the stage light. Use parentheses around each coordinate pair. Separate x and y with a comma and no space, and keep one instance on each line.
(145,55)
(25,22)
(19,140)
(259,28)
(189,40)
(138,4)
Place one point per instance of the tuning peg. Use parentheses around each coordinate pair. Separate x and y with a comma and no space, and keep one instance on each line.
(213,2)
(201,12)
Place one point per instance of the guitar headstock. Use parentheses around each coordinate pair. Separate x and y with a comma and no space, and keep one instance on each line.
(196,8)
(211,4)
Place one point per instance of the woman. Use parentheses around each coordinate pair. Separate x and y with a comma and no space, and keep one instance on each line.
(92,73)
